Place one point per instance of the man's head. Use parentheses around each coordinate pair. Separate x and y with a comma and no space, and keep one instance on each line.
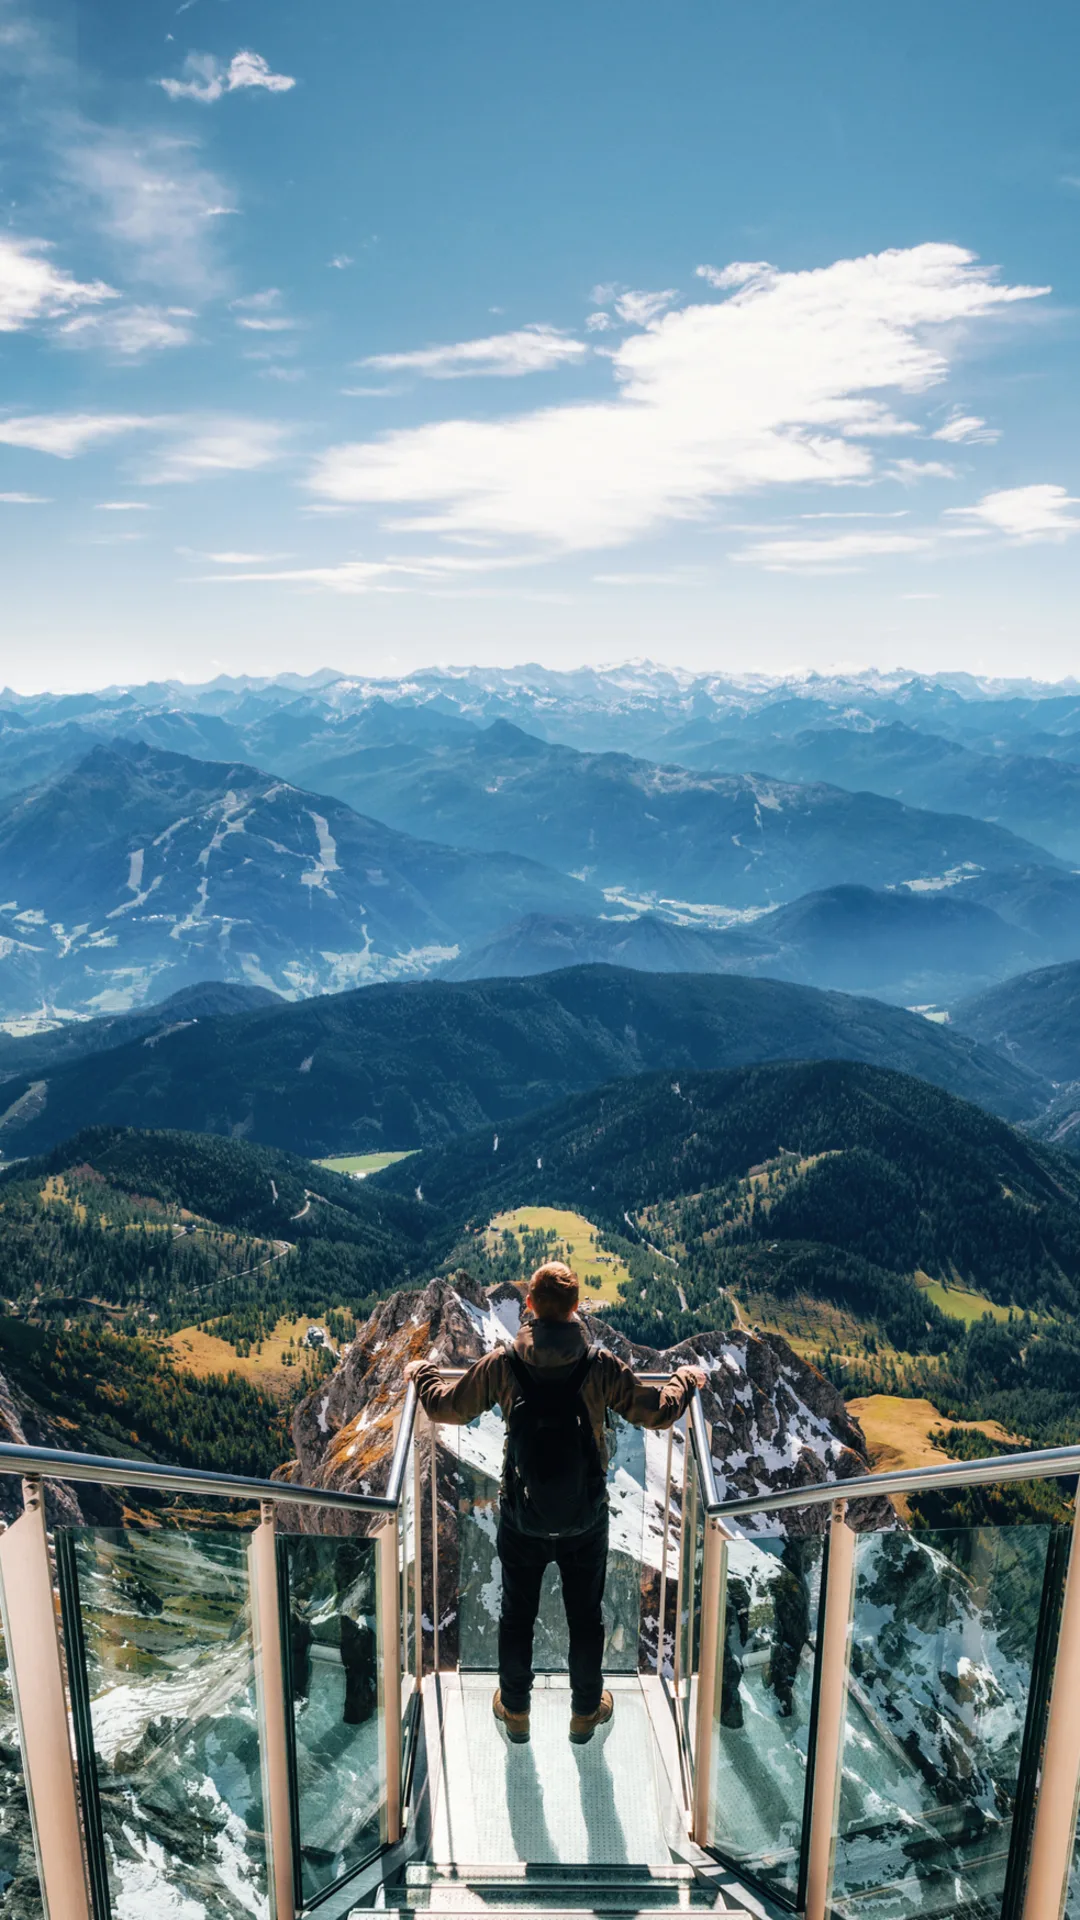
(553,1291)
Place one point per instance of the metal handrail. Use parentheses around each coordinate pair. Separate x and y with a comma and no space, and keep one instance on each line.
(53,1463)
(1048,1464)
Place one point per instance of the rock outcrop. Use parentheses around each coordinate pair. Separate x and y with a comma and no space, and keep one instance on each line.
(775,1423)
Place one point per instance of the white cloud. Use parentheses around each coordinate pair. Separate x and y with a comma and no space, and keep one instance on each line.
(598,322)
(68,434)
(842,553)
(123,506)
(207,78)
(341,261)
(32,288)
(529,350)
(777,385)
(637,309)
(25,499)
(967,427)
(212,446)
(1024,514)
(131,331)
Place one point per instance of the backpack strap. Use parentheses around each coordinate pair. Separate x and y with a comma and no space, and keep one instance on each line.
(531,1387)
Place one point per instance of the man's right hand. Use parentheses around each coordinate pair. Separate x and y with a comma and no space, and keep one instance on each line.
(697,1377)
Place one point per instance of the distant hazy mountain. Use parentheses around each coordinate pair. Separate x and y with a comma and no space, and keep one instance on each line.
(731,840)
(1034,1019)
(900,946)
(409,1064)
(1032,795)
(141,870)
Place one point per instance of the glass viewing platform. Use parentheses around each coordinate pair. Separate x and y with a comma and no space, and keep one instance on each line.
(258,1698)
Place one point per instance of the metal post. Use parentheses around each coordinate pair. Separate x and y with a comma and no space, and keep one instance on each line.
(37,1683)
(834,1654)
(1054,1832)
(434,1548)
(664,1555)
(418,1568)
(710,1670)
(389,1624)
(273,1708)
(684,1587)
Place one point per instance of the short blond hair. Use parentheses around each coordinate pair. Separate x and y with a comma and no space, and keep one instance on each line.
(554,1291)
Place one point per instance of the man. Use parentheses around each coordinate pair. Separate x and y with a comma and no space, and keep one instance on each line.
(554,1388)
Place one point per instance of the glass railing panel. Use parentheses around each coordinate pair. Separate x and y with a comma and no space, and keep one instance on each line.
(478,1452)
(338,1738)
(20,1889)
(943,1642)
(169,1669)
(762,1707)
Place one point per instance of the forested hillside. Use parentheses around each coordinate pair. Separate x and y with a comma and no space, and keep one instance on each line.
(832,1182)
(115,1241)
(415,1063)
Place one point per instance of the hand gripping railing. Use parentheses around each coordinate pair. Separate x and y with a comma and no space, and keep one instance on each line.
(73,1881)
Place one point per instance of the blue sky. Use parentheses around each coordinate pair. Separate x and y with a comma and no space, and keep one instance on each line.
(737,337)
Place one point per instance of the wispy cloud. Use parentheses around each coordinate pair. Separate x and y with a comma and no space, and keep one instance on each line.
(1024,514)
(155,202)
(967,428)
(910,472)
(206,78)
(242,559)
(67,434)
(33,288)
(203,449)
(778,384)
(124,506)
(841,553)
(130,332)
(25,499)
(637,309)
(529,350)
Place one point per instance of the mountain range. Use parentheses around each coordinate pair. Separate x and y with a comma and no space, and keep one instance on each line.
(638,828)
(910,947)
(408,1064)
(1033,795)
(140,870)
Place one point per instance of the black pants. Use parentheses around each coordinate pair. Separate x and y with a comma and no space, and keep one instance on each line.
(582,1562)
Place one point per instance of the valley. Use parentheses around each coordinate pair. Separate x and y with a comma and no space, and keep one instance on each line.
(317,995)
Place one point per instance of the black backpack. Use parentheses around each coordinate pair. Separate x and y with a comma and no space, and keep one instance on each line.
(554,1483)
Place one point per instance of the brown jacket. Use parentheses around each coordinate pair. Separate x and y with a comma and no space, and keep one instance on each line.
(554,1347)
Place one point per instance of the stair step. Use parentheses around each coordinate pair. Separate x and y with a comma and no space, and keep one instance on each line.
(594,1898)
(552,1907)
(425,1873)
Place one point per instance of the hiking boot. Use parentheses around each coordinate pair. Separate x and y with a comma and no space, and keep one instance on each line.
(584,1725)
(516,1724)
